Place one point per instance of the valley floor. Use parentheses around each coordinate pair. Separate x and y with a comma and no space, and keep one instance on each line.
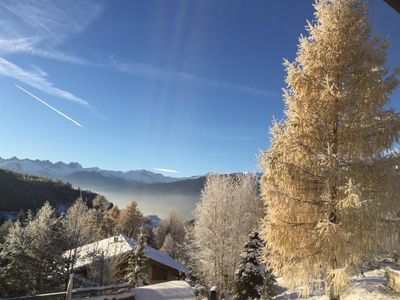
(371,286)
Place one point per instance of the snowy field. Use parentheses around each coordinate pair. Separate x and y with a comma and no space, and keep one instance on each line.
(371,286)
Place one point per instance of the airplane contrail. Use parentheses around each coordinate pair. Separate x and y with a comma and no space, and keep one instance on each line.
(49,106)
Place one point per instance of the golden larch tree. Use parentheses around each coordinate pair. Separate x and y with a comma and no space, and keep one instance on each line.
(130,220)
(330,172)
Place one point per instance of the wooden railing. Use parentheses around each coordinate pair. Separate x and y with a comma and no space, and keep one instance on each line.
(393,279)
(121,291)
(114,289)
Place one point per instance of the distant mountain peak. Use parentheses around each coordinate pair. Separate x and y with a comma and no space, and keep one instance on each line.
(75,165)
(62,170)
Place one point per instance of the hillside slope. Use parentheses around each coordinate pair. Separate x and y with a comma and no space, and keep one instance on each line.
(18,191)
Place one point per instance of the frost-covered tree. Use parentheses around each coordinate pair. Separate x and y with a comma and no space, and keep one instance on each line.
(32,256)
(252,278)
(12,263)
(111,218)
(101,204)
(172,248)
(76,230)
(171,235)
(96,218)
(169,245)
(329,173)
(131,267)
(148,230)
(137,275)
(229,209)
(4,228)
(173,224)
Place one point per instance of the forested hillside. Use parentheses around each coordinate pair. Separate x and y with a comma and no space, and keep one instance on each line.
(19,191)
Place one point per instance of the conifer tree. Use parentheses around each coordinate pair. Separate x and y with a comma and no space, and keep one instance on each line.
(252,279)
(131,267)
(329,175)
(137,274)
(130,220)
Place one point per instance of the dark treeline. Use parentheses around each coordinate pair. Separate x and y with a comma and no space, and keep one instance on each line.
(23,192)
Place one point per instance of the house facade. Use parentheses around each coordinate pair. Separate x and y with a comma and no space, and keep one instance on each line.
(94,263)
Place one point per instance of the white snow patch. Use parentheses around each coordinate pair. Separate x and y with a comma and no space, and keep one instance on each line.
(371,286)
(170,290)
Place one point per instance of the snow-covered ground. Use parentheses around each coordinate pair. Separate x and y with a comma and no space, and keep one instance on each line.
(171,290)
(371,286)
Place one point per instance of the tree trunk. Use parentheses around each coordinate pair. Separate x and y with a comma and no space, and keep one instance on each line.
(332,296)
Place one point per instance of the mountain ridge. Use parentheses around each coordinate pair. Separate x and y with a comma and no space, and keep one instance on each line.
(154,193)
(21,191)
(59,170)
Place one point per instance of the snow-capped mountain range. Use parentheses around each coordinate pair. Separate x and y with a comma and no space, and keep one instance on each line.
(154,192)
(61,170)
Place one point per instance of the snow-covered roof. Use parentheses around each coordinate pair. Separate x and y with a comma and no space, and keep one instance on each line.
(117,245)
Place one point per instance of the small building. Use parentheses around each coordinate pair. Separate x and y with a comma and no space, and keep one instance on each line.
(97,258)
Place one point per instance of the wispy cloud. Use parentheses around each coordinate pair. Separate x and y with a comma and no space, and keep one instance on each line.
(49,106)
(165,170)
(37,26)
(37,80)
(150,71)
(29,46)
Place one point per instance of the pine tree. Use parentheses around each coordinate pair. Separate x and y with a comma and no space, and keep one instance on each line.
(137,275)
(329,175)
(131,267)
(252,279)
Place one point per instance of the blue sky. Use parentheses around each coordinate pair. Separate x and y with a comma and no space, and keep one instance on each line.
(190,86)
